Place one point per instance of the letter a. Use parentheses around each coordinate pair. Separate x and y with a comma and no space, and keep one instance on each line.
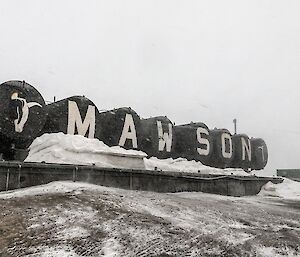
(128,132)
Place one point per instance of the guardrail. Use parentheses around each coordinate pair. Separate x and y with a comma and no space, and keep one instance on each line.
(14,175)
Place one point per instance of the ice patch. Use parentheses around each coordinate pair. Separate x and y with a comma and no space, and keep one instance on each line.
(110,248)
(73,232)
(276,252)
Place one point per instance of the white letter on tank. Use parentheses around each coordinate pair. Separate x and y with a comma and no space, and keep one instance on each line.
(74,119)
(246,148)
(203,141)
(225,154)
(128,132)
(165,139)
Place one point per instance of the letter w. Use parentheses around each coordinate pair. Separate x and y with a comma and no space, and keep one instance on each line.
(165,139)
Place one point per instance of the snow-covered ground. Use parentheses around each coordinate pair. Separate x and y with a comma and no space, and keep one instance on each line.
(78,219)
(67,219)
(76,149)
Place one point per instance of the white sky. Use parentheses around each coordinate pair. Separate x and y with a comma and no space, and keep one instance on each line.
(208,61)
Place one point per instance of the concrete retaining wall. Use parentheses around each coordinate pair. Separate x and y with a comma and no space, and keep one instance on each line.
(293,174)
(15,175)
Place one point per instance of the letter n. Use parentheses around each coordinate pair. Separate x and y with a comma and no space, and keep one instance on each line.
(246,148)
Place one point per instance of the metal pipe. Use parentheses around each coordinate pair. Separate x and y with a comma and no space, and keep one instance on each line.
(234,122)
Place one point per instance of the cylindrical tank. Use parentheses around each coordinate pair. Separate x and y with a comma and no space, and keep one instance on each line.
(242,157)
(22,113)
(121,127)
(73,115)
(223,152)
(259,152)
(193,142)
(158,137)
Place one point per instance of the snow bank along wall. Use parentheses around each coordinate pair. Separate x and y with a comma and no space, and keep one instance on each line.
(15,175)
(24,116)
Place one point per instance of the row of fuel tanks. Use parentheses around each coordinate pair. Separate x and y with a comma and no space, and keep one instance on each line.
(25,116)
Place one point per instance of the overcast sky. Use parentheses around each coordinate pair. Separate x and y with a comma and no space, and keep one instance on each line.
(208,61)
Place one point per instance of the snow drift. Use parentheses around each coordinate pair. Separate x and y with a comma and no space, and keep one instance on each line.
(288,189)
(70,149)
(183,165)
(76,149)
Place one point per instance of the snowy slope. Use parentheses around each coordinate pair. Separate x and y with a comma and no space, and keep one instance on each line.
(77,220)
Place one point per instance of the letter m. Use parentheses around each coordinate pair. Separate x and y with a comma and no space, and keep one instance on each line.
(75,121)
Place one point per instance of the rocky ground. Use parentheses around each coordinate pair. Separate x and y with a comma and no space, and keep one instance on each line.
(66,219)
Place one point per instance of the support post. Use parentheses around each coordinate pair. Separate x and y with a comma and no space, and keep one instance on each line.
(74,173)
(7,180)
(19,176)
(130,181)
